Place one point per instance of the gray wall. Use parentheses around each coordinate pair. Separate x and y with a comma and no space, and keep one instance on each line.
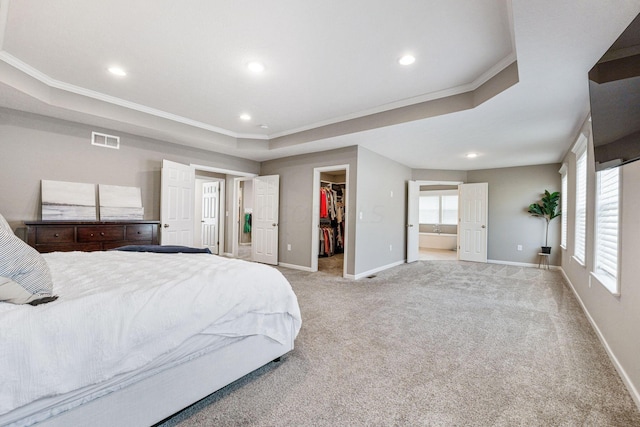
(381,205)
(296,202)
(36,147)
(438,175)
(615,317)
(511,191)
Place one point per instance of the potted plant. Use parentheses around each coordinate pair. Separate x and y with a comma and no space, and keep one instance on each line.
(546,208)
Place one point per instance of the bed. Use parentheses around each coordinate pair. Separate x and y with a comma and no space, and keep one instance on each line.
(135,337)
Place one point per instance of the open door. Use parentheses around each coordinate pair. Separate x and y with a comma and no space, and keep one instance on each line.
(472,229)
(210,220)
(176,204)
(413,226)
(264,221)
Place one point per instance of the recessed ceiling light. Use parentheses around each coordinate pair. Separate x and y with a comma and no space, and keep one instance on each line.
(263,126)
(117,71)
(245,117)
(255,66)
(472,155)
(407,60)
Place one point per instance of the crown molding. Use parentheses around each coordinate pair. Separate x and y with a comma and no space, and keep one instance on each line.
(57,84)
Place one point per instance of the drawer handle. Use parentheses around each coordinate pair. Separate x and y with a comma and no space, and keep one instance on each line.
(91,234)
(102,233)
(139,232)
(56,235)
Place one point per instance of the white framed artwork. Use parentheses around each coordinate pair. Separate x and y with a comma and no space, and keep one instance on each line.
(68,201)
(120,203)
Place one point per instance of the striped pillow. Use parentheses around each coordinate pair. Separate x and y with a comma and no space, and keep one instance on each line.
(23,265)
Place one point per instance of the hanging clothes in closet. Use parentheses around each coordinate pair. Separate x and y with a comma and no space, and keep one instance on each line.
(331,229)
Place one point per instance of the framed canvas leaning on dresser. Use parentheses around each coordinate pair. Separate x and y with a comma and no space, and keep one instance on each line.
(65,236)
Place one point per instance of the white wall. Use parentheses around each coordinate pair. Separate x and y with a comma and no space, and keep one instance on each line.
(615,318)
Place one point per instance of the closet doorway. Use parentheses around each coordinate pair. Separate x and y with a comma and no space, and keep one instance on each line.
(329,220)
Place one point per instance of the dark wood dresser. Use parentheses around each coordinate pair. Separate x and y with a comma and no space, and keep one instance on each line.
(52,236)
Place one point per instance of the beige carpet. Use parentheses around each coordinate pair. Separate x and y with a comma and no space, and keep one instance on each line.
(433,343)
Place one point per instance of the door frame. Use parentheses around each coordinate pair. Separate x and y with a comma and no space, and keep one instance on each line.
(235,227)
(265,219)
(433,182)
(197,216)
(315,215)
(484,227)
(165,201)
(413,221)
(224,212)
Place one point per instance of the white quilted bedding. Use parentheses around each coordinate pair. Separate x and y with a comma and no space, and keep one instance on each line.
(118,311)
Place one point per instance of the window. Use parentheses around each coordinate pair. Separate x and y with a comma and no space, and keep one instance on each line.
(429,210)
(581,200)
(563,207)
(449,209)
(438,207)
(607,230)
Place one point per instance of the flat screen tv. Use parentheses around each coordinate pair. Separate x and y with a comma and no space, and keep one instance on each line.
(614,92)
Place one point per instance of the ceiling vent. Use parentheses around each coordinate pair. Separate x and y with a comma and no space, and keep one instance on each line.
(104,140)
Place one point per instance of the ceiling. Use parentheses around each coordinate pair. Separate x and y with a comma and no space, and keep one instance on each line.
(506,80)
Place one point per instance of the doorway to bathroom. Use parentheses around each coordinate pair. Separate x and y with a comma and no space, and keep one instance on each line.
(432,224)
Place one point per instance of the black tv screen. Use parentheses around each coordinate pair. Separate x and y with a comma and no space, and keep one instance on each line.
(614,92)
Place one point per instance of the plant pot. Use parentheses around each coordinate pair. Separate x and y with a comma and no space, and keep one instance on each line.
(546,249)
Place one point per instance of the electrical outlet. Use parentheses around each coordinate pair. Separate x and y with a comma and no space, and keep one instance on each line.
(390,248)
(519,247)
(288,246)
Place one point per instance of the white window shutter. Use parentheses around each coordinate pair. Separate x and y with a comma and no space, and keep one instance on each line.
(581,206)
(607,219)
(564,209)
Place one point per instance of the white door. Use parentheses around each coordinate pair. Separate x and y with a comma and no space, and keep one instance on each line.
(264,220)
(413,226)
(210,208)
(472,228)
(176,204)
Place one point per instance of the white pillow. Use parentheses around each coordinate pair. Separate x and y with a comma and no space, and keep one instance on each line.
(23,265)
(12,292)
(4,224)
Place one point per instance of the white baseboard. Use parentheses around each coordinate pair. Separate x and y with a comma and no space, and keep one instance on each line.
(520,264)
(633,391)
(295,267)
(375,270)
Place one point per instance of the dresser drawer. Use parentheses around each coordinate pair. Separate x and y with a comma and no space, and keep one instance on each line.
(55,235)
(50,236)
(100,234)
(139,232)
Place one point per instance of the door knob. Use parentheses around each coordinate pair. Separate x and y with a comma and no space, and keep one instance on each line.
(166,225)
(274,224)
(483,226)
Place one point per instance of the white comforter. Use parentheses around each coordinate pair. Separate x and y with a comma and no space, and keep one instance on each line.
(117,311)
